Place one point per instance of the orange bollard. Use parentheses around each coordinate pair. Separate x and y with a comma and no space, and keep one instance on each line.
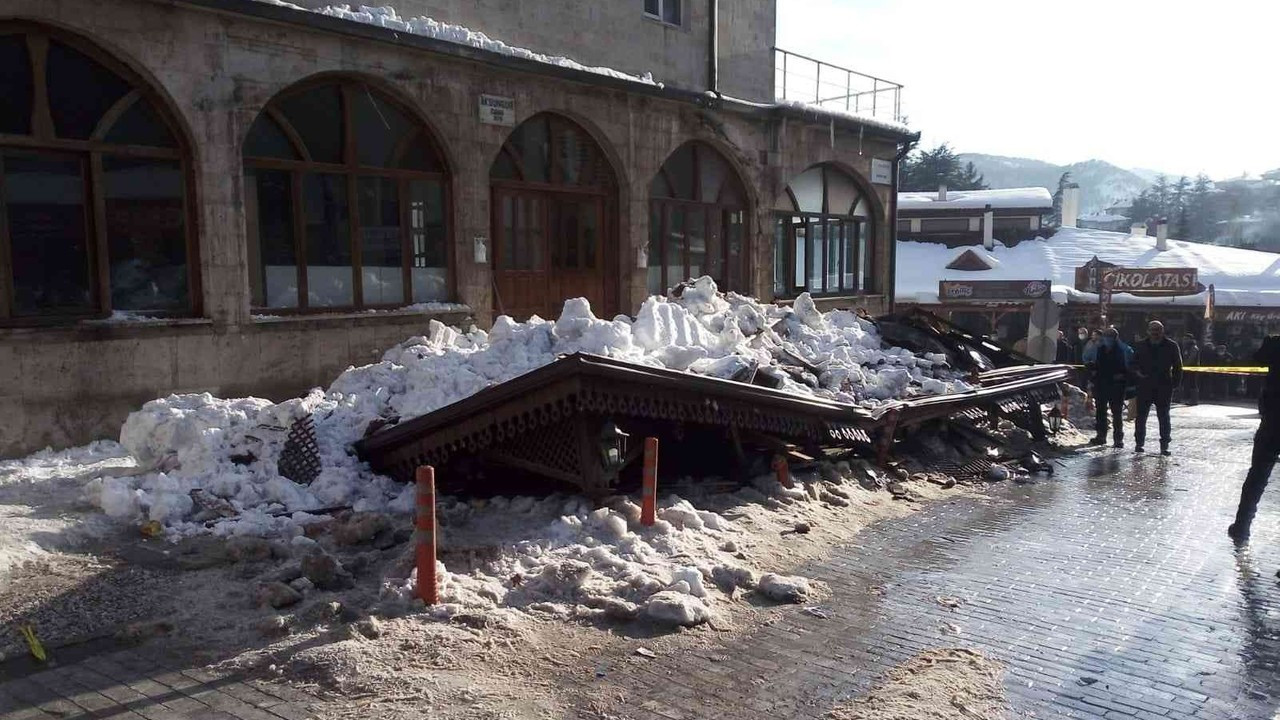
(649,490)
(783,473)
(425,523)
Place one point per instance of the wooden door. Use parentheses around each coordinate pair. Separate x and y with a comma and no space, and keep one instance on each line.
(576,251)
(519,253)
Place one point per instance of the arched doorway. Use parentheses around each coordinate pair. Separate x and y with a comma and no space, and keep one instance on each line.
(346,198)
(697,220)
(554,217)
(95,195)
(823,238)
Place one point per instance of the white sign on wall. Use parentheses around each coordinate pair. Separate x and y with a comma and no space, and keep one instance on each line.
(498,110)
(881,172)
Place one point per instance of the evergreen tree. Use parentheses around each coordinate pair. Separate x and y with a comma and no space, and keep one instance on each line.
(1063,182)
(925,170)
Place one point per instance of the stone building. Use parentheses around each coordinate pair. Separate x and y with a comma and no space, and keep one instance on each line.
(243,197)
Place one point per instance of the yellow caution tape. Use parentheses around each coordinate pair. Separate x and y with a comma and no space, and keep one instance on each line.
(33,643)
(1227,369)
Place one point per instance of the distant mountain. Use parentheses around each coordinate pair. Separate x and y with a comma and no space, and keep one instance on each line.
(1101,183)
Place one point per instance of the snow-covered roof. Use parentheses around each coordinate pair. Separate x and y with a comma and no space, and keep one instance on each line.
(1103,218)
(1241,278)
(1030,197)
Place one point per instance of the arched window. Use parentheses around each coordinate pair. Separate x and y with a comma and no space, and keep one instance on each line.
(346,196)
(554,195)
(94,211)
(823,236)
(697,220)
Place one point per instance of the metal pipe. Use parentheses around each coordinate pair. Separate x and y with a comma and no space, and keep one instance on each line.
(713,53)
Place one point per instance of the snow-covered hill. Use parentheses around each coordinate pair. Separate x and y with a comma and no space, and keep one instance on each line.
(1101,183)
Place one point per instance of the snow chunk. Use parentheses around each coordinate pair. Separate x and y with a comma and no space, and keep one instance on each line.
(676,608)
(784,588)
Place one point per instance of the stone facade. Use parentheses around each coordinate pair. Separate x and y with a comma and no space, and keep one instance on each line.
(69,384)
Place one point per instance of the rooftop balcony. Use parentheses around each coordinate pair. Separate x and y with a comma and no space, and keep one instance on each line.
(802,79)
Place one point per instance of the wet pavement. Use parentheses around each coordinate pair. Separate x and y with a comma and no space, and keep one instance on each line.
(1110,591)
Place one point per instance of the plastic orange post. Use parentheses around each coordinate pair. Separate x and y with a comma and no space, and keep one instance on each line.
(425,524)
(783,473)
(649,489)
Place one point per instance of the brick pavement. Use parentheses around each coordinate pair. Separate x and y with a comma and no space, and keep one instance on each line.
(1110,591)
(135,684)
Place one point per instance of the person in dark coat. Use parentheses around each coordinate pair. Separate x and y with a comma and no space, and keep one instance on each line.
(1066,352)
(1266,442)
(1109,365)
(1158,365)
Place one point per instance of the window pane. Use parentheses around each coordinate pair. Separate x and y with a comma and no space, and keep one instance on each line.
(735,231)
(146,233)
(833,257)
(800,253)
(849,230)
(807,189)
(715,246)
(573,152)
(675,246)
(316,115)
(269,206)
(80,91)
(44,198)
(587,224)
(679,169)
(533,147)
(379,128)
(15,85)
(419,155)
(713,171)
(842,194)
(818,243)
(671,11)
(381,243)
(267,140)
(944,225)
(503,168)
(140,125)
(536,238)
(430,271)
(655,249)
(864,257)
(653,7)
(328,240)
(696,234)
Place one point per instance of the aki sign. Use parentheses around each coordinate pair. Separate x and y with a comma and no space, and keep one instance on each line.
(1152,281)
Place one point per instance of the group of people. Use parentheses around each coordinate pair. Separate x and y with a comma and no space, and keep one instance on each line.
(1149,370)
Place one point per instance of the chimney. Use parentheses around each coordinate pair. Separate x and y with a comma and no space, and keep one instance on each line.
(1162,234)
(942,193)
(988,218)
(1070,205)
(1138,229)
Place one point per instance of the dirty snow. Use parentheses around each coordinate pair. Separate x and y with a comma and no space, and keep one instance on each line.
(386,16)
(229,448)
(939,684)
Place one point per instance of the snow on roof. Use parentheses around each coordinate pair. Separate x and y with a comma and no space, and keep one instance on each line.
(1103,218)
(868,120)
(386,16)
(1029,197)
(1241,278)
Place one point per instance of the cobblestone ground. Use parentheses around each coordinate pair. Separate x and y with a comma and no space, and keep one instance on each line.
(1110,591)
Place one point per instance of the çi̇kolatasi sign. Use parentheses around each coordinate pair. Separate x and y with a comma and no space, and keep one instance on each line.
(1152,281)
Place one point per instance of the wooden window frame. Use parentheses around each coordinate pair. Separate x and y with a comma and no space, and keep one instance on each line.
(351,169)
(44,139)
(717,207)
(855,223)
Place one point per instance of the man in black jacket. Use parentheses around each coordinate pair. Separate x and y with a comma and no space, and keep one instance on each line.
(1158,364)
(1266,442)
(1109,365)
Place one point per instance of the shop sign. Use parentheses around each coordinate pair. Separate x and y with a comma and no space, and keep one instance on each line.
(498,110)
(1152,281)
(991,290)
(1087,274)
(881,172)
(1251,316)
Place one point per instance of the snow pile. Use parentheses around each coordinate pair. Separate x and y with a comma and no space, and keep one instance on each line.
(74,462)
(385,16)
(229,449)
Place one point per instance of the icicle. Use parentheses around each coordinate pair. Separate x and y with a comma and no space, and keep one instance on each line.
(861,129)
(833,133)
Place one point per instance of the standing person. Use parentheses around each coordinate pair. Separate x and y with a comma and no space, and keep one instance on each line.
(1266,442)
(1110,369)
(1066,351)
(1191,358)
(1082,340)
(1158,365)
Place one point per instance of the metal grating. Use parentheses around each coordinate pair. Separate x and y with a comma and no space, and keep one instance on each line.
(300,459)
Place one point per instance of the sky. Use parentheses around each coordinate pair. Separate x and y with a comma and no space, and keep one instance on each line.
(1169,85)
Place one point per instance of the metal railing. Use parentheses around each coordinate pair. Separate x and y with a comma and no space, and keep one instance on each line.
(802,79)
